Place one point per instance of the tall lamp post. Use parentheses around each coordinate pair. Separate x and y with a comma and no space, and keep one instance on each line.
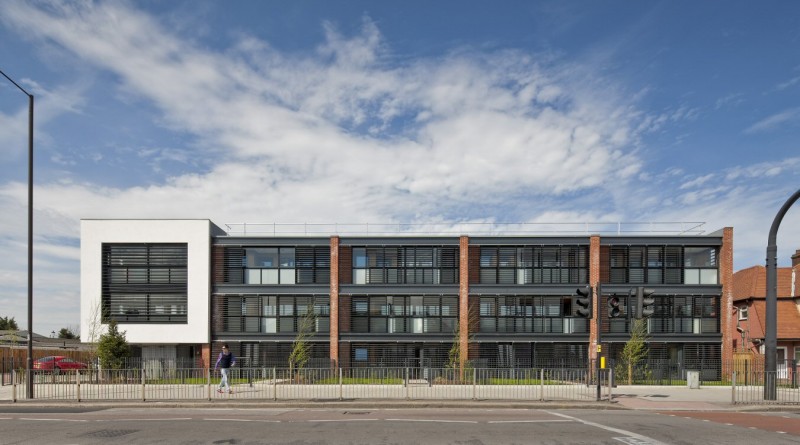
(771,334)
(29,367)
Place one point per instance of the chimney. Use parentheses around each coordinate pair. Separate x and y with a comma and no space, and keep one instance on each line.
(796,258)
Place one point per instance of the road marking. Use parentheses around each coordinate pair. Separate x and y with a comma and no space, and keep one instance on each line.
(143,420)
(729,424)
(781,432)
(432,420)
(630,434)
(245,420)
(342,420)
(530,421)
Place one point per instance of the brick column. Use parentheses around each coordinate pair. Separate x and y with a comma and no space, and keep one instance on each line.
(463,299)
(726,317)
(334,301)
(205,355)
(594,280)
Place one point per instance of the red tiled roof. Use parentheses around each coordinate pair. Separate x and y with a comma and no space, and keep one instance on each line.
(788,319)
(752,283)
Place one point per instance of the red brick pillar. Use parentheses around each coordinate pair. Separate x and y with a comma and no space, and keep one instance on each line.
(796,273)
(463,299)
(726,318)
(205,355)
(594,280)
(334,301)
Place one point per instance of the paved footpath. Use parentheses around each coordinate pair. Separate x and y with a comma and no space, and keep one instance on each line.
(650,398)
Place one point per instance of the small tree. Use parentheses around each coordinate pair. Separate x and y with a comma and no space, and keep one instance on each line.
(66,333)
(113,348)
(94,330)
(455,358)
(635,349)
(301,347)
(8,324)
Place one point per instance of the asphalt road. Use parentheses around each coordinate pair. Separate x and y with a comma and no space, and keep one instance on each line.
(392,426)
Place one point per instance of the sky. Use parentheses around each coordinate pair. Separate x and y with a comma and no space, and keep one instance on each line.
(413,112)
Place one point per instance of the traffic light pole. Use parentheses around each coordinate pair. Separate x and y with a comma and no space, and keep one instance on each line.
(598,298)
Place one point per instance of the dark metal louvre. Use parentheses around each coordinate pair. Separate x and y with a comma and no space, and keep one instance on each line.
(234,265)
(145,283)
(512,265)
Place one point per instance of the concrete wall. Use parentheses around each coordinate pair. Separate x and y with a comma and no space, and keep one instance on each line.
(197,235)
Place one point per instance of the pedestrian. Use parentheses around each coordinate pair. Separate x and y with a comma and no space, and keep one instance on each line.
(224,363)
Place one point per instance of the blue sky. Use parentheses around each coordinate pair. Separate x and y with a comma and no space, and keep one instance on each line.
(393,112)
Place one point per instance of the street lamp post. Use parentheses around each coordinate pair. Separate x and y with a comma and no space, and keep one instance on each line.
(29,368)
(771,334)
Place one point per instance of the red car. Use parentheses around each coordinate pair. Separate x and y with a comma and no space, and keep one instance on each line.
(56,363)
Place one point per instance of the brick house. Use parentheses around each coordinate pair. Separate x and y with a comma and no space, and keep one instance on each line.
(749,310)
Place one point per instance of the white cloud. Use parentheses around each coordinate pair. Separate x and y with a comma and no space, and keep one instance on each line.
(345,134)
(776,120)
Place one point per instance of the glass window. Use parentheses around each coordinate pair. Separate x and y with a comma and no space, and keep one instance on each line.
(700,257)
(743,312)
(287,257)
(708,276)
(360,257)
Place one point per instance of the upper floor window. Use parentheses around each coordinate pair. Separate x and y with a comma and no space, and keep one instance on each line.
(405,265)
(537,314)
(742,312)
(404,314)
(276,314)
(286,265)
(534,265)
(700,265)
(659,265)
(145,283)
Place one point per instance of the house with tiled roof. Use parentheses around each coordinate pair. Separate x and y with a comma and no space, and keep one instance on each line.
(749,305)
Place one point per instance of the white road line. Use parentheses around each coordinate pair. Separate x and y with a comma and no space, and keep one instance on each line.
(530,421)
(143,420)
(432,420)
(6,418)
(342,420)
(729,424)
(608,428)
(245,420)
(781,432)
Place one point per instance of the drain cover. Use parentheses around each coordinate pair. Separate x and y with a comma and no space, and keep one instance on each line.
(110,433)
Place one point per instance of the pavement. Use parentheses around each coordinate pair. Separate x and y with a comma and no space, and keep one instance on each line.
(651,398)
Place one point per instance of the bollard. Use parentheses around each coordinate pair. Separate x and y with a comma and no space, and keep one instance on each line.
(733,388)
(274,384)
(541,384)
(78,384)
(340,384)
(208,384)
(13,385)
(474,383)
(407,385)
(610,382)
(143,379)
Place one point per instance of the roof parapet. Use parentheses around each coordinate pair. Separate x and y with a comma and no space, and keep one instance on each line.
(465,228)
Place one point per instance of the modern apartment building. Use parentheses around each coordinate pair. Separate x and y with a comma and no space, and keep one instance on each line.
(181,288)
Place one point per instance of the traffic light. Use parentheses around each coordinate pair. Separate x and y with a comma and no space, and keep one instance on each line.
(584,301)
(645,302)
(614,310)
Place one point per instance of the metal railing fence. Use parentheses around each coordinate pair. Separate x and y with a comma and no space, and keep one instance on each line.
(539,384)
(751,390)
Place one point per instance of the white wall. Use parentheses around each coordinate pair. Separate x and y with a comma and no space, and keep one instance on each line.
(196,233)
